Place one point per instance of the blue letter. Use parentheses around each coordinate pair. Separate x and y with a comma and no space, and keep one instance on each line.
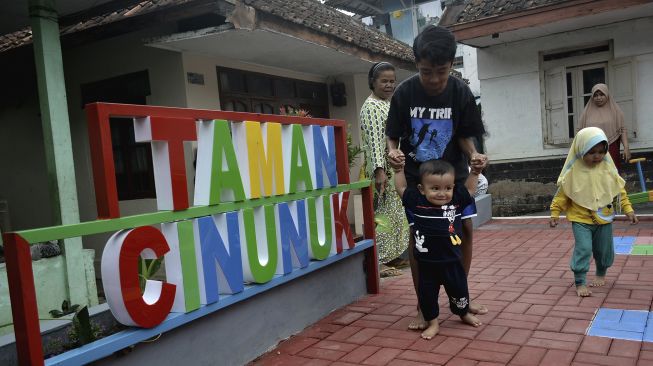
(229,270)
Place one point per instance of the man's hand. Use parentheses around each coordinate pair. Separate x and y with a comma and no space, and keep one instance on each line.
(478,162)
(380,180)
(396,158)
(553,222)
(632,218)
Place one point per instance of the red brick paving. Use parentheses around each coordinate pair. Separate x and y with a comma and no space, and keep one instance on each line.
(521,273)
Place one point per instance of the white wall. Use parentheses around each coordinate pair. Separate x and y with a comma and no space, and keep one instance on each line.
(510,87)
(201,96)
(470,68)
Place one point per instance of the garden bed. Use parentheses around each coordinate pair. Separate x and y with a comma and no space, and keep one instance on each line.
(59,336)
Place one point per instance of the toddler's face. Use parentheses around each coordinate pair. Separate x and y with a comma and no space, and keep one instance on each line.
(595,155)
(438,189)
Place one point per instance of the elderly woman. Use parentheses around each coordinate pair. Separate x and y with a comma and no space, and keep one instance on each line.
(601,111)
(391,243)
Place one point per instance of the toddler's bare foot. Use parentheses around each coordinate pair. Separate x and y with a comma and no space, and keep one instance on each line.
(476,308)
(432,330)
(583,291)
(470,319)
(418,323)
(598,281)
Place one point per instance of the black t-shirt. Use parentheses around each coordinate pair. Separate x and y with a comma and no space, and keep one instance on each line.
(431,224)
(428,126)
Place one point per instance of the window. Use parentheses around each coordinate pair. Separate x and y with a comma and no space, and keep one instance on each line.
(458,62)
(580,81)
(244,91)
(132,160)
(568,78)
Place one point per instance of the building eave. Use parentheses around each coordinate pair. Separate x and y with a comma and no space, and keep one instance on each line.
(495,25)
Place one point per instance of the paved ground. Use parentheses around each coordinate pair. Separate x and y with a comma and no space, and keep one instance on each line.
(521,273)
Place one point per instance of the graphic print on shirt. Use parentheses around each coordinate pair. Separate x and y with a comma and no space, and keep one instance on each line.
(419,242)
(449,211)
(431,131)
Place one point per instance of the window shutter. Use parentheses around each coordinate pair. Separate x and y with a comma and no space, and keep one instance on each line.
(622,88)
(555,85)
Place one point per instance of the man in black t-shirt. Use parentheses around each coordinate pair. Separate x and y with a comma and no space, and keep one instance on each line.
(433,115)
(430,125)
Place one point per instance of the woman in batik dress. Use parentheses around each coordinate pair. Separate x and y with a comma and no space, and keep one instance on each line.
(392,238)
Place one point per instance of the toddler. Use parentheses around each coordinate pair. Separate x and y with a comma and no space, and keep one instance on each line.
(589,190)
(435,208)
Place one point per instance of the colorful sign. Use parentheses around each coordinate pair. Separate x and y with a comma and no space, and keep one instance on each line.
(212,255)
(269,197)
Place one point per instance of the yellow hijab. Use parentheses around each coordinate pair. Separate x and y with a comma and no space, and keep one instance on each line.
(589,187)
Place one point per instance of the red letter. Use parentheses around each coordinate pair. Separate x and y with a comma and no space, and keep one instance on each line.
(151,308)
(168,136)
(341,221)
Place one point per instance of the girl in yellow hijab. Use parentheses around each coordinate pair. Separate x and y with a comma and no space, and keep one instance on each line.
(589,188)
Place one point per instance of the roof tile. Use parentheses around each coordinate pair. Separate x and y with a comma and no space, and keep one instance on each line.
(309,13)
(478,9)
(330,21)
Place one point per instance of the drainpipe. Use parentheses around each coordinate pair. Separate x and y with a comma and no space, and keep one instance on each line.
(56,136)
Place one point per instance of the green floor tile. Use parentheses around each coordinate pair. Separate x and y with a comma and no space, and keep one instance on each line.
(642,250)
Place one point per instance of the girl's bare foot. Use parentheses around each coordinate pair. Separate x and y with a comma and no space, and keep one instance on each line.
(432,330)
(470,319)
(478,309)
(598,281)
(583,291)
(418,323)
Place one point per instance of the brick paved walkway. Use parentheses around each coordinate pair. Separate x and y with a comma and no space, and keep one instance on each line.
(520,271)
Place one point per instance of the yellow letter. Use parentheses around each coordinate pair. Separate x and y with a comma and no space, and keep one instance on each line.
(263,173)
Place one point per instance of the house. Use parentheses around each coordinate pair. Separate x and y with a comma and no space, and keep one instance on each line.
(404,20)
(537,62)
(249,55)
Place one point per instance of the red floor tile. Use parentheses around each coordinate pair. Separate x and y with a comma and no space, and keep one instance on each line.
(520,272)
(557,357)
(625,348)
(425,357)
(528,356)
(360,354)
(382,357)
(363,335)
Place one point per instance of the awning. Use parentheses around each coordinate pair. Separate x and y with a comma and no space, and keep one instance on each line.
(268,48)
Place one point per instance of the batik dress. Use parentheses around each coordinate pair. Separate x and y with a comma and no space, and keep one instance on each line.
(392,241)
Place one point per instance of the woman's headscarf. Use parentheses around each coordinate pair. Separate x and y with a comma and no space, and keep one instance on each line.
(590,187)
(608,117)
